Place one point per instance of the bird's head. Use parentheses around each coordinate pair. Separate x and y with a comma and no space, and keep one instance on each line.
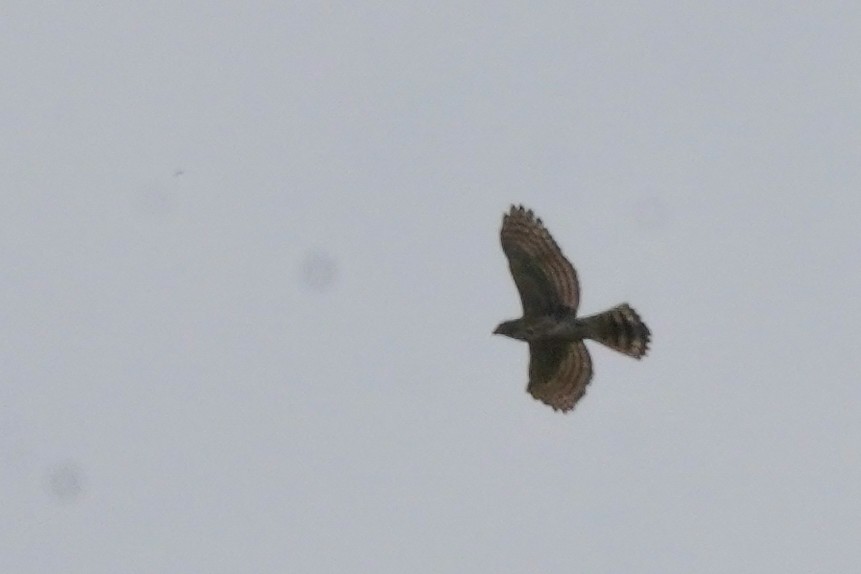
(516,329)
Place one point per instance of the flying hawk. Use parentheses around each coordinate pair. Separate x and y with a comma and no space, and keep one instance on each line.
(559,363)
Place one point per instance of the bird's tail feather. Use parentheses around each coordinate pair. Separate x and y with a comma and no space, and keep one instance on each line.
(621,329)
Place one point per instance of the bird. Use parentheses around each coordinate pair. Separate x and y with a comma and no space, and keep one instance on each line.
(560,367)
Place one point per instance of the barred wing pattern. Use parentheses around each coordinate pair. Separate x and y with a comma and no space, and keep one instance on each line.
(547,282)
(545,279)
(559,372)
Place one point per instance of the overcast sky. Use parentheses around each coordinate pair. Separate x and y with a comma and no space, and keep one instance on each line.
(251,266)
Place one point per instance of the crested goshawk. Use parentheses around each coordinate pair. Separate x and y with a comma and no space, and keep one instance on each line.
(559,363)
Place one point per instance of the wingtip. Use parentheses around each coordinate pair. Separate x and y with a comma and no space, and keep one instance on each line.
(563,408)
(521,210)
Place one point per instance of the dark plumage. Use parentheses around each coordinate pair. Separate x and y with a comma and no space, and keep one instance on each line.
(559,363)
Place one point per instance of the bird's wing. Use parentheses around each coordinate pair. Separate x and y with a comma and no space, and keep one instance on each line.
(559,372)
(545,279)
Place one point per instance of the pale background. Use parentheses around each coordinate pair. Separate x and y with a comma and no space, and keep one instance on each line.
(250,268)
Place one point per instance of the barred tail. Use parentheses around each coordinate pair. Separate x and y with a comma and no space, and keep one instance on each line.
(620,328)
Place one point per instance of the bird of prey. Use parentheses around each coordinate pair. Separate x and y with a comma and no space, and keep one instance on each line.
(559,363)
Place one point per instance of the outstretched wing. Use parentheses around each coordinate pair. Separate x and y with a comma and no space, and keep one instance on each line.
(559,372)
(545,279)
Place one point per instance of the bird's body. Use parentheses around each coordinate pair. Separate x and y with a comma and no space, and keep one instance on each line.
(560,366)
(563,326)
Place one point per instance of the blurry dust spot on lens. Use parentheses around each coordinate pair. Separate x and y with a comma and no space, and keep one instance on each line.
(318,271)
(65,482)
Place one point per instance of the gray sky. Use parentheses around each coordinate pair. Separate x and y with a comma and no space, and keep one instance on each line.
(251,266)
